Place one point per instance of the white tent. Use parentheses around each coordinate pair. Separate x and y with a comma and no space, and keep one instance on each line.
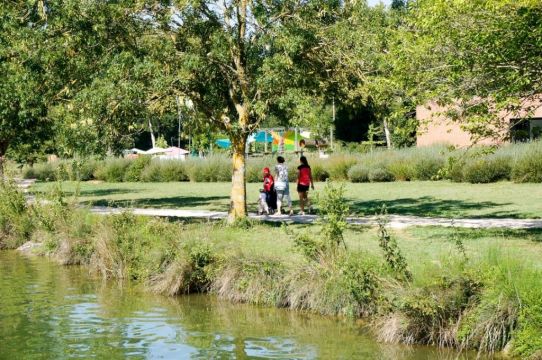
(155,150)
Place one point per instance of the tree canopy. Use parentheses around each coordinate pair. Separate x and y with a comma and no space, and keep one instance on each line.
(85,76)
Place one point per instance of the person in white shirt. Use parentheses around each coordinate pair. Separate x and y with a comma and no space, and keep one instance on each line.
(282,186)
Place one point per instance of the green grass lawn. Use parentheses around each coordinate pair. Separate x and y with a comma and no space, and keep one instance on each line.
(421,198)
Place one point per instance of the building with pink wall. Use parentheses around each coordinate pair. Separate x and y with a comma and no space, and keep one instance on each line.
(436,128)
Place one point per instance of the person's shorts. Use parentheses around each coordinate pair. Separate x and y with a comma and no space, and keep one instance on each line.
(302,188)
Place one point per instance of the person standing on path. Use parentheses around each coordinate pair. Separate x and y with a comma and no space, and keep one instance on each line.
(282,186)
(269,189)
(304,181)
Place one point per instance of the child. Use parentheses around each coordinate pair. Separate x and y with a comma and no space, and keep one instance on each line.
(282,186)
(269,188)
(262,203)
(304,181)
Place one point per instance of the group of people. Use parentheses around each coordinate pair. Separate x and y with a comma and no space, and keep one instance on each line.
(276,189)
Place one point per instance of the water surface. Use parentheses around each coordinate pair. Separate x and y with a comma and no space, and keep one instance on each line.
(52,312)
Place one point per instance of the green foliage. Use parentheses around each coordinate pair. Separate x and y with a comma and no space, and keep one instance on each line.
(135,169)
(392,254)
(358,173)
(16,223)
(112,170)
(487,170)
(380,175)
(427,168)
(528,166)
(498,52)
(334,210)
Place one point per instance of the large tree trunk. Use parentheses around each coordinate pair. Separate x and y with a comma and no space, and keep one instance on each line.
(238,204)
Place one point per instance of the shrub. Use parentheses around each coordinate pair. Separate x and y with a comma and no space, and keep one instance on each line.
(427,168)
(486,170)
(83,169)
(173,170)
(152,172)
(528,166)
(135,168)
(402,169)
(338,167)
(16,223)
(380,175)
(358,173)
(211,169)
(41,171)
(319,173)
(112,170)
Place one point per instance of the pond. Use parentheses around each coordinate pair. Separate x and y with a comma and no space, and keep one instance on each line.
(49,311)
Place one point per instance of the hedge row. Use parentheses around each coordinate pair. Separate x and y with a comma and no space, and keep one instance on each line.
(520,163)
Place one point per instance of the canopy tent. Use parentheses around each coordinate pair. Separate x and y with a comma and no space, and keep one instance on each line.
(155,150)
(263,137)
(223,143)
(282,140)
(288,140)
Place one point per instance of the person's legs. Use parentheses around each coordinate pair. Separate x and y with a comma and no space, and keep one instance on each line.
(289,198)
(302,201)
(280,196)
(308,202)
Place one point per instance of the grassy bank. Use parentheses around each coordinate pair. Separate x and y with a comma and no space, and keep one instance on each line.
(520,163)
(478,289)
(421,198)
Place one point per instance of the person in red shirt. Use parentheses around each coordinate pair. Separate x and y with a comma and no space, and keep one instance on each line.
(269,189)
(304,181)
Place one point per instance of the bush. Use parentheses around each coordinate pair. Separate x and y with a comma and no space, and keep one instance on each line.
(319,173)
(112,170)
(338,167)
(173,171)
(16,223)
(358,173)
(380,175)
(211,169)
(135,168)
(486,170)
(427,168)
(402,169)
(41,172)
(528,166)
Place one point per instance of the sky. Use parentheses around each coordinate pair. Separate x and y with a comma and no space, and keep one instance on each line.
(374,2)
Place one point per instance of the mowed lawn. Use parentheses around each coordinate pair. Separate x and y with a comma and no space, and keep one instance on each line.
(421,198)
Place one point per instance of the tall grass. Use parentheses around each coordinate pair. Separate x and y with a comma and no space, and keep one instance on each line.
(517,162)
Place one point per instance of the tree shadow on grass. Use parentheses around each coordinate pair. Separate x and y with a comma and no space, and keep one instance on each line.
(428,206)
(214,203)
(105,192)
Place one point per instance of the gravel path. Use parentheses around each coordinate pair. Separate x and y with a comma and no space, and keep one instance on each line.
(395,221)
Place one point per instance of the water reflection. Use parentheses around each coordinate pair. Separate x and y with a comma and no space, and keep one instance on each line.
(49,311)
